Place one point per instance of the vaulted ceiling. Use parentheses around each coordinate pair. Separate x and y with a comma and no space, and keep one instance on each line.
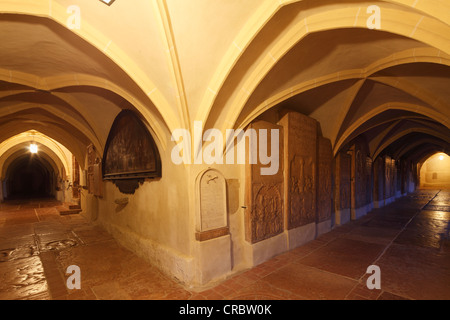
(225,63)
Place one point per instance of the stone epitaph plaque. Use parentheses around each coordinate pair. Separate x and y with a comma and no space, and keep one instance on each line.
(264,193)
(212,205)
(362,172)
(300,159)
(389,177)
(98,178)
(324,192)
(360,179)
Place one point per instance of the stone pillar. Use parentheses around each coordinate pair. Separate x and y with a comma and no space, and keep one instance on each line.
(379,184)
(389,195)
(369,179)
(300,176)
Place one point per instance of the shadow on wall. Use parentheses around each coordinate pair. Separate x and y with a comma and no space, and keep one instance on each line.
(435,172)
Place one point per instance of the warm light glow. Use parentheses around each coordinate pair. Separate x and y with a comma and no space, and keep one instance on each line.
(33,148)
(441,158)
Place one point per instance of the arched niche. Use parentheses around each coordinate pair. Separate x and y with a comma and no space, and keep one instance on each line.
(131,154)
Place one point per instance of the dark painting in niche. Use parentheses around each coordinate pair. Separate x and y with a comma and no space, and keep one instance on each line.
(131,154)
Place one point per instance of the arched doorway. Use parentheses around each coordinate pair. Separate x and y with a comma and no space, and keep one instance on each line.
(435,172)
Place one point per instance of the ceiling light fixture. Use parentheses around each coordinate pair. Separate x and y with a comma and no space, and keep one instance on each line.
(108,2)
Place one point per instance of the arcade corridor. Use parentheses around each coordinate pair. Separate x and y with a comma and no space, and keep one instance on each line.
(408,240)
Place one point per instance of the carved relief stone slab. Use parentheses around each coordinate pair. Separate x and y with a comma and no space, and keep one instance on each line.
(343,188)
(378,181)
(360,179)
(300,156)
(264,193)
(324,191)
(361,174)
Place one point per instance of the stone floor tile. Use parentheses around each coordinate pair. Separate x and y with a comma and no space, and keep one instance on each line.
(310,283)
(110,290)
(372,234)
(345,257)
(416,273)
(416,265)
(263,290)
(22,279)
(91,234)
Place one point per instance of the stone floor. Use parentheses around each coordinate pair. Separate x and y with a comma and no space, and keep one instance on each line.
(408,240)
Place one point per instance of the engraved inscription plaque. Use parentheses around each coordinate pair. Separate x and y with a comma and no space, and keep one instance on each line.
(213,208)
(324,195)
(343,172)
